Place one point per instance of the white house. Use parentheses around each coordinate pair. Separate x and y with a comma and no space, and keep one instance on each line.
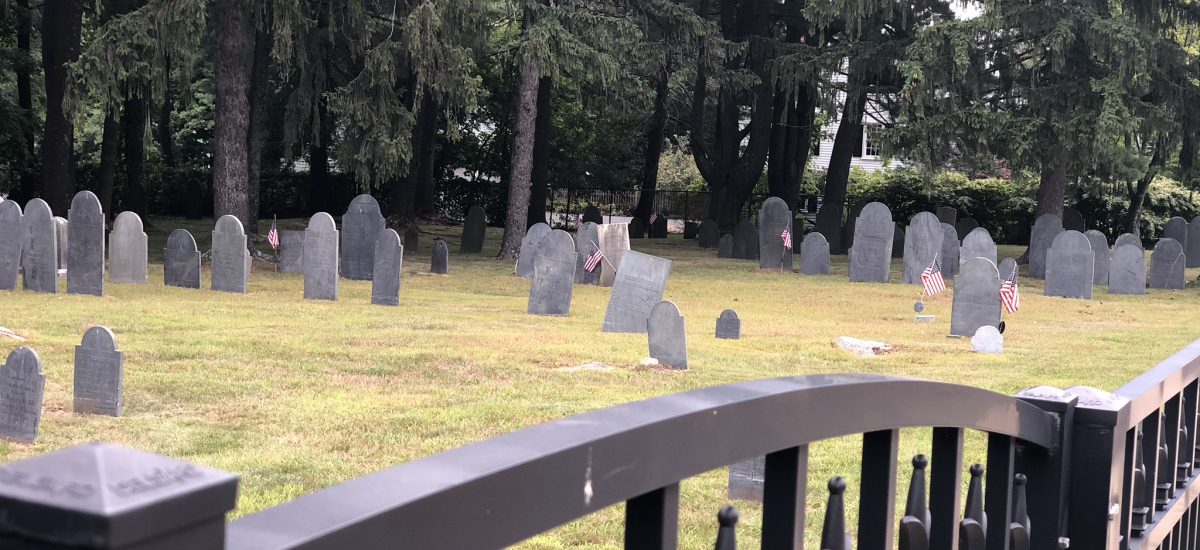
(867,154)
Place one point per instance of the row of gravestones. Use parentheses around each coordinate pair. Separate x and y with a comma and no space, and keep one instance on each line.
(1188,237)
(1122,267)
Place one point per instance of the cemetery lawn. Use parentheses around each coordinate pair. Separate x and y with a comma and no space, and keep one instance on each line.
(298,395)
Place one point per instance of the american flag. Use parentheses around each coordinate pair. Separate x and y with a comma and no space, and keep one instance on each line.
(932,279)
(273,236)
(593,261)
(578,221)
(653,217)
(1010,295)
(787,238)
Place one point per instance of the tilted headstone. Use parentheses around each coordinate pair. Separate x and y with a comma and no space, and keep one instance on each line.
(690,230)
(1073,221)
(745,241)
(11,236)
(229,256)
(1193,244)
(639,285)
(898,243)
(1007,266)
(658,228)
(361,225)
(529,249)
(127,250)
(63,228)
(729,326)
(614,242)
(99,374)
(587,242)
(85,254)
(666,333)
(553,275)
(39,248)
(389,259)
(412,239)
(1167,263)
(1069,265)
(291,251)
(977,244)
(950,246)
(709,235)
(747,478)
(22,386)
(474,231)
(321,258)
(1100,247)
(637,230)
(814,255)
(181,260)
(773,218)
(976,297)
(1128,238)
(829,224)
(1045,230)
(725,248)
(1177,229)
(947,214)
(439,262)
(1127,270)
(592,214)
(964,227)
(922,243)
(871,255)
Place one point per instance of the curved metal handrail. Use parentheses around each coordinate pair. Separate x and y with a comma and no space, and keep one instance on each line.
(1149,390)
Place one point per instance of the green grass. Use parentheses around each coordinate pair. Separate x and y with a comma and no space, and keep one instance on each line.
(298,395)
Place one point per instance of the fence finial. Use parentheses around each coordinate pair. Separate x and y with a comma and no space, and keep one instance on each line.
(914,527)
(834,535)
(727,518)
(973,528)
(1019,528)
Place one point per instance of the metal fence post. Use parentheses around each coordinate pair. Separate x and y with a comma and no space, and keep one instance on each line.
(1098,471)
(1049,470)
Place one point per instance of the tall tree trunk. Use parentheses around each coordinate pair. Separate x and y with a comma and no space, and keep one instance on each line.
(234,53)
(320,189)
(166,139)
(1137,197)
(133,122)
(61,22)
(25,96)
(424,157)
(847,140)
(655,134)
(1052,190)
(108,163)
(258,119)
(539,177)
(791,143)
(522,159)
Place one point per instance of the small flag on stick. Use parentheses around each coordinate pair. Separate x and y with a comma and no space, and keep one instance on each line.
(787,238)
(593,261)
(653,217)
(273,235)
(1010,294)
(932,279)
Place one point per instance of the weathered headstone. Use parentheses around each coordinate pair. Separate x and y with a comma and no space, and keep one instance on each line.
(592,214)
(1100,247)
(181,260)
(529,249)
(22,386)
(412,239)
(666,332)
(658,228)
(10,244)
(127,250)
(871,255)
(950,246)
(1193,244)
(63,228)
(898,243)
(553,275)
(725,247)
(1128,238)
(690,230)
(745,241)
(1007,266)
(361,225)
(85,254)
(814,255)
(99,374)
(729,326)
(39,248)
(229,256)
(1167,263)
(474,231)
(614,242)
(987,339)
(587,242)
(1177,229)
(1072,220)
(1127,271)
(947,214)
(321,258)
(978,244)
(710,234)
(637,230)
(1069,265)
(639,285)
(291,251)
(922,243)
(747,478)
(1045,230)
(976,297)
(439,261)
(829,224)
(389,259)
(964,227)
(773,218)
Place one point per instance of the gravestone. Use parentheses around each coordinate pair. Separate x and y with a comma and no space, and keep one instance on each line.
(709,235)
(63,229)
(99,374)
(637,230)
(773,218)
(1193,243)
(725,248)
(321,258)
(976,297)
(987,339)
(898,243)
(666,333)
(950,246)
(1167,263)
(978,244)
(291,251)
(814,255)
(592,214)
(39,248)
(1128,238)
(964,227)
(439,261)
(1069,265)
(690,230)
(829,224)
(553,275)
(587,242)
(745,241)
(1177,229)
(412,239)
(85,254)
(1045,230)
(614,242)
(230,258)
(1100,247)
(1072,220)
(658,228)
(639,285)
(848,230)
(181,260)
(1127,270)
(729,327)
(389,259)
(947,214)
(474,231)
(361,225)
(1007,267)
(747,478)
(10,244)
(871,255)
(922,243)
(22,386)
(529,249)
(127,250)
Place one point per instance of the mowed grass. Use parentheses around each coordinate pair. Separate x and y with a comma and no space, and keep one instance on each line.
(298,395)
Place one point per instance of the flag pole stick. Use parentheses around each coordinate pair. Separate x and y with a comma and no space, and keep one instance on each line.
(605,258)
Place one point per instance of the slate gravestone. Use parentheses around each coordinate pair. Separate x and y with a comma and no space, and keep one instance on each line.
(85,254)
(39,248)
(725,248)
(964,227)
(747,478)
(1128,238)
(1167,263)
(814,255)
(553,275)
(773,218)
(1177,229)
(976,297)
(361,225)
(439,262)
(474,231)
(181,260)
(1045,230)
(729,327)
(229,256)
(1127,270)
(658,229)
(291,251)
(978,244)
(898,243)
(22,386)
(947,214)
(1193,243)
(637,230)
(321,258)
(592,214)
(871,255)
(412,239)
(667,335)
(385,279)
(1069,265)
(1072,220)
(63,229)
(829,224)
(127,250)
(848,230)
(1100,247)
(587,242)
(709,235)
(690,230)
(639,285)
(99,374)
(745,241)
(1007,266)
(529,249)
(10,244)
(614,242)
(922,243)
(950,246)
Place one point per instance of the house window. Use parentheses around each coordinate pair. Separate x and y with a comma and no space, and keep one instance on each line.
(871,148)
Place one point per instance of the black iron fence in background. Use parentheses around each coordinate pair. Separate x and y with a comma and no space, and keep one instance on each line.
(693,206)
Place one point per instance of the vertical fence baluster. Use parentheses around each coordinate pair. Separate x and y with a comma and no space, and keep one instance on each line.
(1020,526)
(652,519)
(1187,453)
(877,497)
(973,529)
(914,526)
(945,479)
(1000,453)
(785,487)
(1165,473)
(1140,512)
(833,534)
(1150,441)
(727,520)
(1172,428)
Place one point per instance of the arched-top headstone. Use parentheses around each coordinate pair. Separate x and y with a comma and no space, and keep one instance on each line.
(871,255)
(181,260)
(1100,247)
(321,258)
(1193,243)
(39,248)
(667,335)
(922,243)
(710,234)
(127,250)
(22,387)
(412,239)
(725,246)
(85,253)
(690,230)
(658,227)
(529,248)
(99,374)
(745,241)
(947,214)
(814,255)
(389,259)
(978,244)
(964,227)
(773,219)
(1069,265)
(361,225)
(1007,267)
(474,231)
(1167,263)
(10,244)
(1128,238)
(614,242)
(230,269)
(291,251)
(729,326)
(829,224)
(1045,230)
(976,297)
(1177,229)
(592,214)
(898,243)
(439,260)
(553,275)
(950,246)
(637,229)
(1072,220)
(1127,270)
(587,242)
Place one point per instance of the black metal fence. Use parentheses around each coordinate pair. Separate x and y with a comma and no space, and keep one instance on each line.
(678,205)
